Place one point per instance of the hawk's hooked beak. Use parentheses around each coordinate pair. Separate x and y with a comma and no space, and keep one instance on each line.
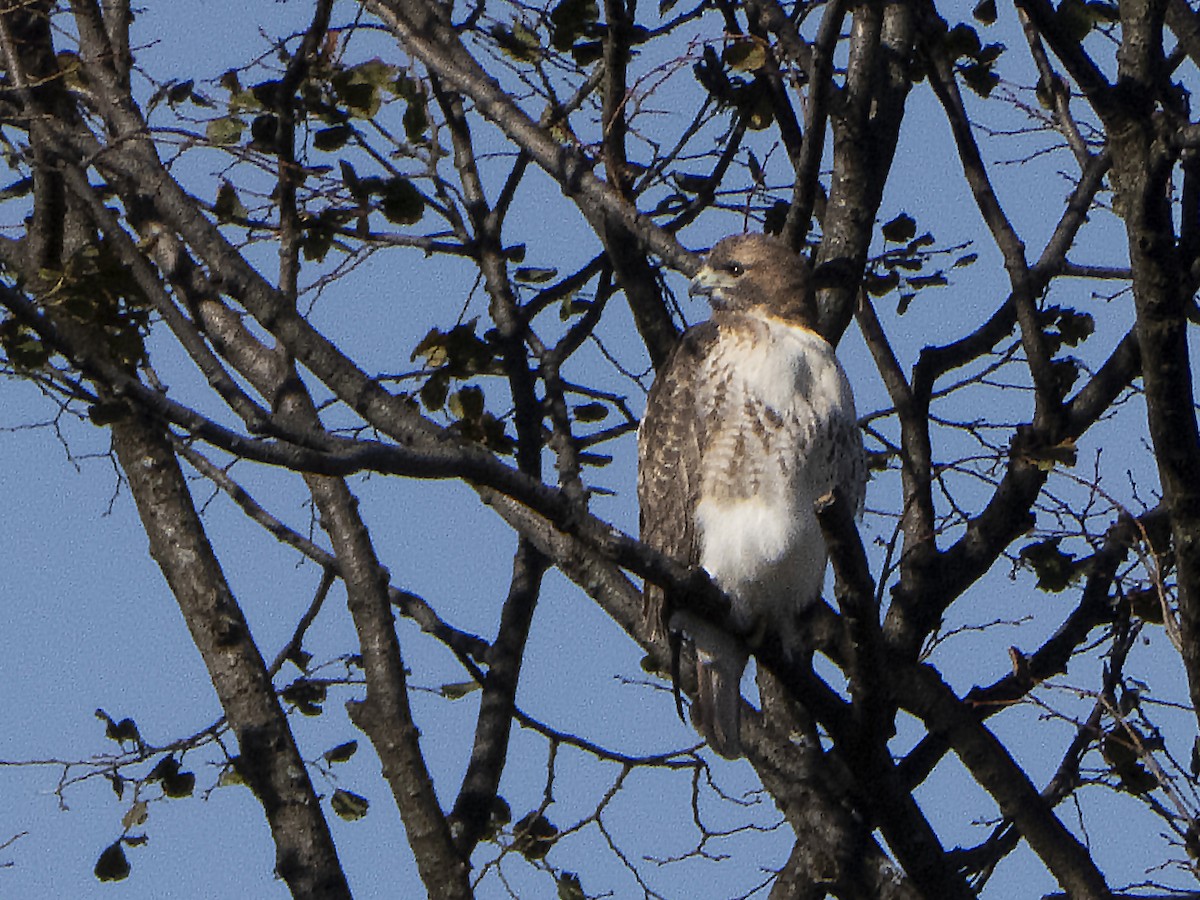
(710,283)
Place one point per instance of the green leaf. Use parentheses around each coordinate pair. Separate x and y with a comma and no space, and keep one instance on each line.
(458,689)
(519,42)
(349,805)
(225,131)
(745,55)
(341,753)
(374,72)
(112,864)
(900,229)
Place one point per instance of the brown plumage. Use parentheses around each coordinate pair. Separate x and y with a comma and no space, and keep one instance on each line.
(750,421)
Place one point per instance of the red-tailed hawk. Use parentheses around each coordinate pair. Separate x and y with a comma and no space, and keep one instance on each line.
(750,421)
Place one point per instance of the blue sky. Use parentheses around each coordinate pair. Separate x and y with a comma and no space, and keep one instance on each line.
(90,624)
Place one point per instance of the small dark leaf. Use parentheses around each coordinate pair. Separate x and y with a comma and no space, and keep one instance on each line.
(1146,604)
(181,784)
(962,40)
(341,753)
(112,864)
(433,392)
(985,12)
(901,229)
(591,412)
(179,92)
(498,816)
(349,805)
(569,887)
(980,78)
(415,120)
(400,202)
(458,689)
(306,695)
(570,20)
(691,184)
(228,205)
(264,131)
(330,139)
(267,94)
(1066,373)
(534,835)
(775,217)
(1074,19)
(125,731)
(1054,568)
(757,110)
(878,285)
(534,275)
(937,279)
(965,260)
(467,403)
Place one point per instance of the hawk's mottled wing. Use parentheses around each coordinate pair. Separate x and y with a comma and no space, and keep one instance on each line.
(670,439)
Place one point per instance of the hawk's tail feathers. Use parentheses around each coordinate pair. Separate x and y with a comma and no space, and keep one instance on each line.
(718,709)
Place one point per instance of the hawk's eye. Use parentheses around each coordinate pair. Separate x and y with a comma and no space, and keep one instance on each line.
(735,270)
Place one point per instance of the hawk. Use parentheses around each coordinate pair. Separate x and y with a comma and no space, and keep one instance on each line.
(750,421)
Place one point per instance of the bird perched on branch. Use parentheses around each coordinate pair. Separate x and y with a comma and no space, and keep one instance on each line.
(750,421)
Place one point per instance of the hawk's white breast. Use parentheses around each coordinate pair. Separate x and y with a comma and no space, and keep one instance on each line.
(774,398)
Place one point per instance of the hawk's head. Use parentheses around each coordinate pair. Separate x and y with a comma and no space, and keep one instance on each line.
(757,273)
